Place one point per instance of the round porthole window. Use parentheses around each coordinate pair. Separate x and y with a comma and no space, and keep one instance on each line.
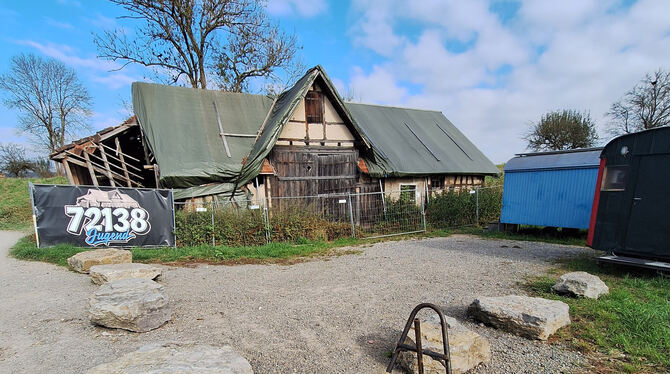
(624,150)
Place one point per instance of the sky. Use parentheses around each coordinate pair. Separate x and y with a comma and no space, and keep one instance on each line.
(493,67)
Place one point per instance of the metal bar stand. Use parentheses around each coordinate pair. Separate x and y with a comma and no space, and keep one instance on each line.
(443,358)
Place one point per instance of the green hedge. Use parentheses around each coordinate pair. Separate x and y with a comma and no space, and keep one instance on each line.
(459,208)
(247,227)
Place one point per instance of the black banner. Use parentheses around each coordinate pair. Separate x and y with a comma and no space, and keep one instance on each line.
(102,216)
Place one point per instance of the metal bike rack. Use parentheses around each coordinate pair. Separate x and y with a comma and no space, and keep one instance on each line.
(443,358)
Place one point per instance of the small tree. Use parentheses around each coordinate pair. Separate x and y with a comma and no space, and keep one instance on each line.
(562,130)
(52,102)
(644,107)
(195,39)
(13,160)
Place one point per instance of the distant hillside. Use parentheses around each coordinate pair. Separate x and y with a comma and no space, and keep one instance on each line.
(15,201)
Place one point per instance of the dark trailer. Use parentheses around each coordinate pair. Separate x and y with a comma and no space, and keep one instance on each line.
(632,202)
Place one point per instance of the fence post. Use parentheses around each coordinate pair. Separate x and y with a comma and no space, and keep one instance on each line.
(351,216)
(423,213)
(213,241)
(477,204)
(266,220)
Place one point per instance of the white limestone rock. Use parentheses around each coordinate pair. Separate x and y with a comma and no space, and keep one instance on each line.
(83,261)
(107,273)
(581,284)
(132,304)
(173,358)
(529,317)
(467,348)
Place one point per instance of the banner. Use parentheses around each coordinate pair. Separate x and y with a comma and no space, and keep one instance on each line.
(102,216)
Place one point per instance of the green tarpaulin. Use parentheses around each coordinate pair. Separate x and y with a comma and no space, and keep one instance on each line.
(182,128)
(417,142)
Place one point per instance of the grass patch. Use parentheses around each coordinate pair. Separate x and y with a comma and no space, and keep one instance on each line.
(26,249)
(625,331)
(533,234)
(15,201)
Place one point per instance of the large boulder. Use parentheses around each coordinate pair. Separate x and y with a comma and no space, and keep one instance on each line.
(467,348)
(581,283)
(165,358)
(530,317)
(132,304)
(107,273)
(83,261)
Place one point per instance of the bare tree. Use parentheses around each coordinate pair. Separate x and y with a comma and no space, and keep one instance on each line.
(196,39)
(646,106)
(52,101)
(562,130)
(13,160)
(254,50)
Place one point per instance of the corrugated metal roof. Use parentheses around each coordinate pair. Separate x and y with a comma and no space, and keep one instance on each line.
(573,159)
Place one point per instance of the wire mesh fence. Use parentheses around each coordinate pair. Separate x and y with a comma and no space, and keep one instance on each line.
(332,216)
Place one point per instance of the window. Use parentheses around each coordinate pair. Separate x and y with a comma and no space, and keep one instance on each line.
(408,193)
(314,107)
(614,178)
(436,182)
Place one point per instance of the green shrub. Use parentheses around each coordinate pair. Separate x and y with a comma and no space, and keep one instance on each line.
(459,208)
(242,227)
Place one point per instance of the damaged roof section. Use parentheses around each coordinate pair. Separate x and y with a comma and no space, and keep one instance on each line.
(114,156)
(198,136)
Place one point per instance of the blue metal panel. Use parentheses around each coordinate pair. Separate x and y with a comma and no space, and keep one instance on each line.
(558,198)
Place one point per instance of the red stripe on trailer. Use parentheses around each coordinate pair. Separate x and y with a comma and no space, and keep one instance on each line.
(596,200)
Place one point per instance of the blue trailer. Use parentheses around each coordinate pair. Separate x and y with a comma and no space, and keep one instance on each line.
(553,189)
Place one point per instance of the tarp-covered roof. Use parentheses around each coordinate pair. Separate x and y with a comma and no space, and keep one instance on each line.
(418,142)
(572,159)
(181,128)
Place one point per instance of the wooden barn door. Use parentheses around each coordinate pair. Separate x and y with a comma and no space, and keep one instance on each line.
(325,174)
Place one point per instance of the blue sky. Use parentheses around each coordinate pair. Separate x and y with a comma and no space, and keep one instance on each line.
(491,66)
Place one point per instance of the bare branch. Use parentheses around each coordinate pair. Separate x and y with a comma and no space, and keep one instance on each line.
(53,103)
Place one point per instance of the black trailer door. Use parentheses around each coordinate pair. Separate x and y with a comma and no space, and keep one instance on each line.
(648,233)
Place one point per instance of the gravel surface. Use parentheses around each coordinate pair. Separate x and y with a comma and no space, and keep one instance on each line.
(342,314)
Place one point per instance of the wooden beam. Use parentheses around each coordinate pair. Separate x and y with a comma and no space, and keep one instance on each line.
(122,159)
(90,169)
(99,169)
(106,164)
(118,167)
(68,172)
(156,175)
(118,150)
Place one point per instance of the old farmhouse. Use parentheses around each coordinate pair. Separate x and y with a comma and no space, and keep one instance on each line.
(307,141)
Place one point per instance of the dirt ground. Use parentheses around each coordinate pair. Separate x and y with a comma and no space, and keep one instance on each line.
(342,314)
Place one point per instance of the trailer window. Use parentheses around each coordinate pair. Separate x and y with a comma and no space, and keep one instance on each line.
(614,178)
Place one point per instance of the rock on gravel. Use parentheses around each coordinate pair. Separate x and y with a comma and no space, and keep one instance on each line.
(131,304)
(106,273)
(83,261)
(182,358)
(581,283)
(530,317)
(467,348)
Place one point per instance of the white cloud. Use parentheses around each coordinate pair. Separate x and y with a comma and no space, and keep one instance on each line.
(592,52)
(378,86)
(302,8)
(66,54)
(58,24)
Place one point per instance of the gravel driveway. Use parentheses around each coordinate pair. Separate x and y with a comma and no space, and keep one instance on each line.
(312,317)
